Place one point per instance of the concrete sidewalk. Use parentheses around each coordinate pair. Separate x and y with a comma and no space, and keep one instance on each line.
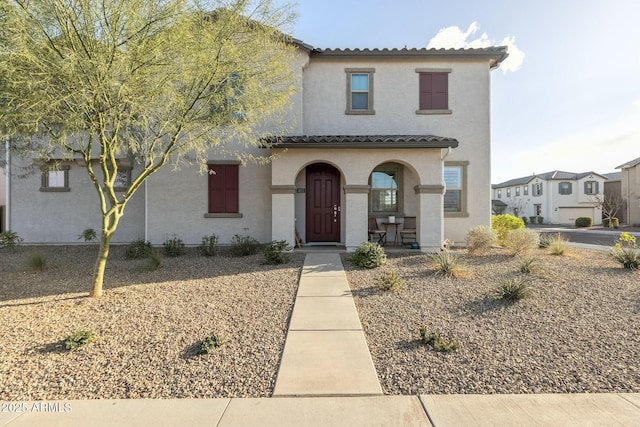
(325,353)
(562,410)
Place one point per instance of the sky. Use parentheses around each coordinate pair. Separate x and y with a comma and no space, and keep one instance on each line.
(567,98)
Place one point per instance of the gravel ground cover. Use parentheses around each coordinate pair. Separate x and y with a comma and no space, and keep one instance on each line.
(148,325)
(578,332)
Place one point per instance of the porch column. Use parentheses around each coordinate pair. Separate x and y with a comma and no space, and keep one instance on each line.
(430,221)
(283,213)
(356,211)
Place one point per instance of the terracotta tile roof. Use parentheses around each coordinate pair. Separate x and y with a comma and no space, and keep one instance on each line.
(364,141)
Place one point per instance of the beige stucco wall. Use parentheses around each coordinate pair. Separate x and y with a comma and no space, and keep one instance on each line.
(631,189)
(396,88)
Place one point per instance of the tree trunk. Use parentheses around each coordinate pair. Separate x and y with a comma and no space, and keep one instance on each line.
(101,264)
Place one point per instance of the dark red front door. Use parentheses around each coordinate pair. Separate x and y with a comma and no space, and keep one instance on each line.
(323,203)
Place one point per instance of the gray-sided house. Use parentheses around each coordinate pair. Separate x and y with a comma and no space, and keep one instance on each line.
(377,132)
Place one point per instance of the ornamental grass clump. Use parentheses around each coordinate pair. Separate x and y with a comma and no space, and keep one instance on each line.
(513,288)
(369,255)
(557,244)
(446,263)
(437,341)
(38,261)
(626,251)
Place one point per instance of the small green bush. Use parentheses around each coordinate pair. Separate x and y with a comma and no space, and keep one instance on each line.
(584,221)
(274,252)
(540,220)
(626,251)
(480,239)
(369,255)
(173,247)
(38,261)
(88,235)
(244,245)
(10,239)
(446,263)
(78,339)
(139,249)
(612,223)
(525,220)
(209,344)
(521,241)
(208,245)
(557,244)
(503,223)
(155,261)
(532,219)
(390,282)
(437,341)
(513,288)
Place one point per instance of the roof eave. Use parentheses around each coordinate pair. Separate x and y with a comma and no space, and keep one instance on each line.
(368,145)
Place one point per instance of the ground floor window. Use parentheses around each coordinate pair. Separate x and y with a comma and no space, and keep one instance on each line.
(223,188)
(386,189)
(455,198)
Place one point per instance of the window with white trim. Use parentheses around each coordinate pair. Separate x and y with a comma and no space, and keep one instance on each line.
(455,192)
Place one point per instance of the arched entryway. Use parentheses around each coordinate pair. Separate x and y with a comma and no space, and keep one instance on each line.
(322,203)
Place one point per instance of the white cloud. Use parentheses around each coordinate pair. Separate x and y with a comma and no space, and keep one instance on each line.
(455,38)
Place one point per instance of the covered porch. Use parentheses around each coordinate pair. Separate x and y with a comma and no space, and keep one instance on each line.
(325,188)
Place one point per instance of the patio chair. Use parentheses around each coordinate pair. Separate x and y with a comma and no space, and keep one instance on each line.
(408,231)
(375,230)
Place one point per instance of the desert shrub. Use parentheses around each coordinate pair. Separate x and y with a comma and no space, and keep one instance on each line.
(521,241)
(208,245)
(437,341)
(503,223)
(88,235)
(626,251)
(78,339)
(244,245)
(545,239)
(513,288)
(274,252)
(390,282)
(369,255)
(155,261)
(446,263)
(525,220)
(38,261)
(173,247)
(584,221)
(557,244)
(611,222)
(540,220)
(10,239)
(209,344)
(479,239)
(139,249)
(532,219)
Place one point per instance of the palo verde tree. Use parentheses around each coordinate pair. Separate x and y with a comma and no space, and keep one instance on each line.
(155,81)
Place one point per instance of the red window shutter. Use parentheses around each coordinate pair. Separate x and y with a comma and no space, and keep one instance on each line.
(223,189)
(434,91)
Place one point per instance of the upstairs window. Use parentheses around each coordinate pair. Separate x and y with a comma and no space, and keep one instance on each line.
(434,91)
(536,189)
(223,188)
(508,192)
(517,191)
(591,187)
(499,194)
(564,188)
(55,179)
(525,190)
(360,91)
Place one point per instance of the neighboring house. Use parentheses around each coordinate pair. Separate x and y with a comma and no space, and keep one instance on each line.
(558,197)
(630,189)
(613,190)
(378,132)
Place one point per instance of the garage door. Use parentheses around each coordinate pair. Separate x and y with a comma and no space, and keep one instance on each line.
(569,215)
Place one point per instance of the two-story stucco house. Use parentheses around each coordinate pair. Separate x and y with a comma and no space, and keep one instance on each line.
(558,197)
(378,132)
(630,189)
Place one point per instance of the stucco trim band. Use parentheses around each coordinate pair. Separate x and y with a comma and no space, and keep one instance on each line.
(356,189)
(283,189)
(429,189)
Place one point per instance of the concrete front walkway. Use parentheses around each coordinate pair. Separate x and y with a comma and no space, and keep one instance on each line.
(325,353)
